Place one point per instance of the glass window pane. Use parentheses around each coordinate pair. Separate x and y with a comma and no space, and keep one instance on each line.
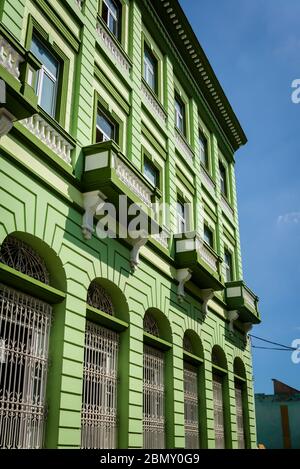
(106,128)
(151,173)
(47,59)
(203,150)
(48,95)
(223,179)
(228,266)
(208,236)
(150,65)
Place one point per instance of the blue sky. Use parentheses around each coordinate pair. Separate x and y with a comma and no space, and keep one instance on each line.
(254,48)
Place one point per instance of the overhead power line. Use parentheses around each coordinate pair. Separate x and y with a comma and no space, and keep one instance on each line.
(282,347)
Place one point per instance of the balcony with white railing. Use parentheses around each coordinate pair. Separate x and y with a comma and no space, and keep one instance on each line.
(227,209)
(18,72)
(240,298)
(183,148)
(193,253)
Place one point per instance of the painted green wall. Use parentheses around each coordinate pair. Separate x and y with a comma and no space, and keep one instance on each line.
(41,199)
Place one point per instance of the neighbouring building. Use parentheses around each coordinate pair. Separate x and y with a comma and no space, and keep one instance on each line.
(278,417)
(134,341)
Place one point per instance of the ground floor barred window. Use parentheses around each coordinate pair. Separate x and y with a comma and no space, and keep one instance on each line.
(218,411)
(154,399)
(191,407)
(99,407)
(240,415)
(24,342)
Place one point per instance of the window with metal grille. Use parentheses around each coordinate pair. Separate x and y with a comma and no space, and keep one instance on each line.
(24,342)
(219,411)
(20,256)
(99,298)
(191,409)
(240,415)
(154,399)
(99,406)
(150,325)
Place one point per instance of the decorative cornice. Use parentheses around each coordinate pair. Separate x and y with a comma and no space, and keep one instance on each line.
(183,37)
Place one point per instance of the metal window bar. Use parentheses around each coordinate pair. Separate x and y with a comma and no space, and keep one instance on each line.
(240,417)
(154,399)
(25,324)
(218,412)
(191,408)
(99,406)
(150,325)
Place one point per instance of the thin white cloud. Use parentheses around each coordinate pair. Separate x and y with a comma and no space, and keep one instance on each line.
(292,218)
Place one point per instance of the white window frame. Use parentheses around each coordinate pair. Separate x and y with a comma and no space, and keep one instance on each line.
(179,115)
(203,150)
(106,137)
(182,221)
(40,80)
(110,13)
(228,268)
(149,70)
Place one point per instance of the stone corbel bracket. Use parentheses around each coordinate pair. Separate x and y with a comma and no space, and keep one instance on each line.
(206,296)
(138,240)
(248,327)
(232,316)
(91,202)
(182,277)
(6,121)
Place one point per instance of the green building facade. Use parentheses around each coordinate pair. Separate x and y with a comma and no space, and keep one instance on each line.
(126,342)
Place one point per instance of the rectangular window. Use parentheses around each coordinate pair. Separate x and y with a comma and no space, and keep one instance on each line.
(151,172)
(179,114)
(105,128)
(208,236)
(223,179)
(203,149)
(191,410)
(48,77)
(240,415)
(218,411)
(150,68)
(154,399)
(181,217)
(99,405)
(111,14)
(228,264)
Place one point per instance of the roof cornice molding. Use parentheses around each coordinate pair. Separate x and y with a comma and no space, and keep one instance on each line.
(183,37)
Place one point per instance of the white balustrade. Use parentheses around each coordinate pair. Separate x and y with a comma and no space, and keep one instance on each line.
(49,136)
(113,48)
(133,181)
(249,298)
(154,105)
(227,209)
(184,148)
(162,238)
(210,258)
(10,58)
(207,182)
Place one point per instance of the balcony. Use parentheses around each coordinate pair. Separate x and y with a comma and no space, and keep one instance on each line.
(240,298)
(205,265)
(18,72)
(108,173)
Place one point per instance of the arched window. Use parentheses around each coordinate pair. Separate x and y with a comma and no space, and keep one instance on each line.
(100,379)
(219,389)
(24,342)
(99,298)
(154,389)
(240,401)
(191,393)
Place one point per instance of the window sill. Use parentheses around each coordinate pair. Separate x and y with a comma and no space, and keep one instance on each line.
(105,319)
(191,358)
(156,342)
(29,285)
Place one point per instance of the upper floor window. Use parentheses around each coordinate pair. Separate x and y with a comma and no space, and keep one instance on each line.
(181,217)
(223,179)
(179,114)
(208,236)
(111,14)
(150,68)
(105,128)
(151,172)
(48,77)
(203,149)
(228,266)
